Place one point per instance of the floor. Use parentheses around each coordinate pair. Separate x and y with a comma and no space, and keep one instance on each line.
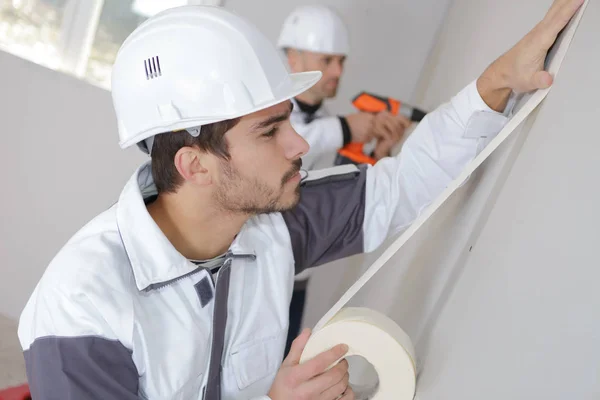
(12,365)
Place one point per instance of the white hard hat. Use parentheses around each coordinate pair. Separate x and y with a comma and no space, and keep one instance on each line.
(315,28)
(195,65)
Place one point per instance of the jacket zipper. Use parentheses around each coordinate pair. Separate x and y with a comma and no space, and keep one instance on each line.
(229,256)
(226,265)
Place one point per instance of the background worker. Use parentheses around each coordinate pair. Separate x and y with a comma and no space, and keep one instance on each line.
(315,38)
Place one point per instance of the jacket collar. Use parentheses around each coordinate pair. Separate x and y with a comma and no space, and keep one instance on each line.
(307,108)
(153,258)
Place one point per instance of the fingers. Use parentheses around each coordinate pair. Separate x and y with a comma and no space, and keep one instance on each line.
(565,13)
(390,127)
(349,395)
(560,14)
(293,358)
(329,385)
(405,122)
(380,130)
(337,390)
(398,124)
(369,127)
(320,363)
(555,8)
(384,130)
(402,124)
(394,128)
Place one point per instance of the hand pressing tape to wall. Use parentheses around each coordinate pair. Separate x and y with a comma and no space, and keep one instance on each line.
(376,337)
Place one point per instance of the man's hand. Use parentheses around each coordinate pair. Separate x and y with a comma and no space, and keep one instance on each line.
(383,148)
(521,69)
(389,127)
(311,380)
(361,126)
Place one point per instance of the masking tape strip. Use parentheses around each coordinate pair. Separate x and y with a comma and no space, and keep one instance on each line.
(376,337)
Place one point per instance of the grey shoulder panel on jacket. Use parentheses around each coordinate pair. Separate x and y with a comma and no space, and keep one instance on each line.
(86,367)
(328,222)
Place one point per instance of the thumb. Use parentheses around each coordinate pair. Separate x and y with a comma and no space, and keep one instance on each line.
(293,358)
(542,80)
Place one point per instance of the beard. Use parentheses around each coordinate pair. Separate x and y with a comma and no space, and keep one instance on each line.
(240,195)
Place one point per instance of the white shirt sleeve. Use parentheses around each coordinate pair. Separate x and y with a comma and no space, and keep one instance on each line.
(324,135)
(398,189)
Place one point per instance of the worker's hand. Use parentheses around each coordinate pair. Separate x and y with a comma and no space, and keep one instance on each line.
(361,126)
(383,149)
(389,127)
(521,69)
(310,380)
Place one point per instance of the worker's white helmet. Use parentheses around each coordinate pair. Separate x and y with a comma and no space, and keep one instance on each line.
(195,65)
(315,28)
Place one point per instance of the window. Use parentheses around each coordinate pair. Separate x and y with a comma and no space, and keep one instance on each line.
(80,37)
(117,20)
(31,29)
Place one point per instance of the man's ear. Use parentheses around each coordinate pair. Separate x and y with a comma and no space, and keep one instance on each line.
(193,165)
(294,58)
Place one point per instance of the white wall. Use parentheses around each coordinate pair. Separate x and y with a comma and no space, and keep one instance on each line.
(522,320)
(390,41)
(61,165)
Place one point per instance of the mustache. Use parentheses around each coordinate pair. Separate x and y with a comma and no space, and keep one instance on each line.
(296,166)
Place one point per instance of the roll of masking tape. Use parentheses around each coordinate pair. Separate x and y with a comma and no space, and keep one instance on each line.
(379,340)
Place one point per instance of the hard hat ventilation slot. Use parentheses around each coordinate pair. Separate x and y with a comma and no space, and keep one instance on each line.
(152,67)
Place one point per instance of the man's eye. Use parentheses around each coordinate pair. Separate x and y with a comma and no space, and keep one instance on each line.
(271,133)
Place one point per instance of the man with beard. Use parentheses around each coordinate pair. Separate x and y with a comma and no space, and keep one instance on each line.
(181,289)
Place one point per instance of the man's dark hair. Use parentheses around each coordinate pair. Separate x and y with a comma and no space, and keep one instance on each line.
(211,139)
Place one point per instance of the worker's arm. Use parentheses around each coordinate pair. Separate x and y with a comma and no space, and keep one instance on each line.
(355,211)
(350,210)
(398,189)
(70,350)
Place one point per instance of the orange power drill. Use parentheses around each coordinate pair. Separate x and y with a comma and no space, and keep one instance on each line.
(352,153)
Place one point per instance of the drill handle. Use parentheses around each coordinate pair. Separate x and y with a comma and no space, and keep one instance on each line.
(369,102)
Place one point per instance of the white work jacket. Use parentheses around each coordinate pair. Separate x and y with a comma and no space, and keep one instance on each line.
(322,131)
(120,314)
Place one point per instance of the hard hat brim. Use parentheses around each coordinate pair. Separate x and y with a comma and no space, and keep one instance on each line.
(301,82)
